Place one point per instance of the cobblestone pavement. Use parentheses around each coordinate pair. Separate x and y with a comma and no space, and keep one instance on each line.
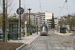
(52,42)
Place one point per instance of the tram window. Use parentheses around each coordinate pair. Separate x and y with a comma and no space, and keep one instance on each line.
(44,28)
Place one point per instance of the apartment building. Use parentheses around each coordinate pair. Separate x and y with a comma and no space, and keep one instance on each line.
(48,18)
(42,17)
(56,22)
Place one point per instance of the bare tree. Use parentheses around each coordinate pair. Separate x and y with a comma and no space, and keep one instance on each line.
(8,4)
(70,20)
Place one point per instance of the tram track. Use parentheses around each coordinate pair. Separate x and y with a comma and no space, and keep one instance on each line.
(47,43)
(66,40)
(34,43)
(50,42)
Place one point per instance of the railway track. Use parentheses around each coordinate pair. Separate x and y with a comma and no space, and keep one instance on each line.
(50,42)
(38,40)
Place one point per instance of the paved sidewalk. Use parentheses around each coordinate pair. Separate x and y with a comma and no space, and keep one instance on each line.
(63,34)
(27,39)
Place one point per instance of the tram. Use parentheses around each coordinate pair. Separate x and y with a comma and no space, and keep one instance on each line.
(44,30)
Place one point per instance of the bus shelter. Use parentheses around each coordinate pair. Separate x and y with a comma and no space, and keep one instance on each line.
(13,29)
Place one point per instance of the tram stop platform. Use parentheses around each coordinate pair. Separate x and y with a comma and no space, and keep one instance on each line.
(26,40)
(63,34)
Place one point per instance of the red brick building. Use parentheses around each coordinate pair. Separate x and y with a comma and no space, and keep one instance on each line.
(25,15)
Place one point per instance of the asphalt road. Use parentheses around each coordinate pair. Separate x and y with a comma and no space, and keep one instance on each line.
(52,42)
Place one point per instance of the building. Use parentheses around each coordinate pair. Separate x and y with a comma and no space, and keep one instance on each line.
(42,17)
(1,20)
(56,22)
(48,18)
(26,17)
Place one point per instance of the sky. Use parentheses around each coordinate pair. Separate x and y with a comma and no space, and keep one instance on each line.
(53,6)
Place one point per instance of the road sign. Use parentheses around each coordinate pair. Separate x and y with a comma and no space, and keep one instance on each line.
(20,10)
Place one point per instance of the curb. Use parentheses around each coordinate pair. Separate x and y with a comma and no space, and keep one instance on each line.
(19,48)
(33,40)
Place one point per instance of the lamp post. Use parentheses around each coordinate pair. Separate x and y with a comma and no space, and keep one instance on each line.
(36,26)
(3,20)
(19,21)
(19,11)
(34,20)
(29,15)
(29,21)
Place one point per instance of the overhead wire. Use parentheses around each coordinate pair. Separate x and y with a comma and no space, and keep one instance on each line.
(40,5)
(67,8)
(41,11)
(63,7)
(61,10)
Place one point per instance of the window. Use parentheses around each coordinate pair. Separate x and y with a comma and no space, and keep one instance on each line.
(44,28)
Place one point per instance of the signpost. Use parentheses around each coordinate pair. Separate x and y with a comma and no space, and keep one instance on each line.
(20,11)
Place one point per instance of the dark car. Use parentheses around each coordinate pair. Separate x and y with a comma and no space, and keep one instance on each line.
(1,33)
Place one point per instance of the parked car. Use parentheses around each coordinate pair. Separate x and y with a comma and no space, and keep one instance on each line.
(1,33)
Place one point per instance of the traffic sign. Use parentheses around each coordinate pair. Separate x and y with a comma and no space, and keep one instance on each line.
(20,10)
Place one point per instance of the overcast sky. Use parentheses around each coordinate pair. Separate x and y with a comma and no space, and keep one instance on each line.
(53,6)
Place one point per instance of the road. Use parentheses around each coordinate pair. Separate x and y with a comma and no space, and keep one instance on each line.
(52,42)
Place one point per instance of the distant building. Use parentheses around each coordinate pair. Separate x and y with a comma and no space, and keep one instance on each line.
(26,14)
(59,22)
(56,22)
(1,20)
(26,17)
(48,18)
(42,17)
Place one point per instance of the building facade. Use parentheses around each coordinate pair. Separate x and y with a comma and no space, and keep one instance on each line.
(41,17)
(48,18)
(56,22)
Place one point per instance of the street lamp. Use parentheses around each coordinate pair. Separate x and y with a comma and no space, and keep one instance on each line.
(29,21)
(34,20)
(34,23)
(29,15)
(37,26)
